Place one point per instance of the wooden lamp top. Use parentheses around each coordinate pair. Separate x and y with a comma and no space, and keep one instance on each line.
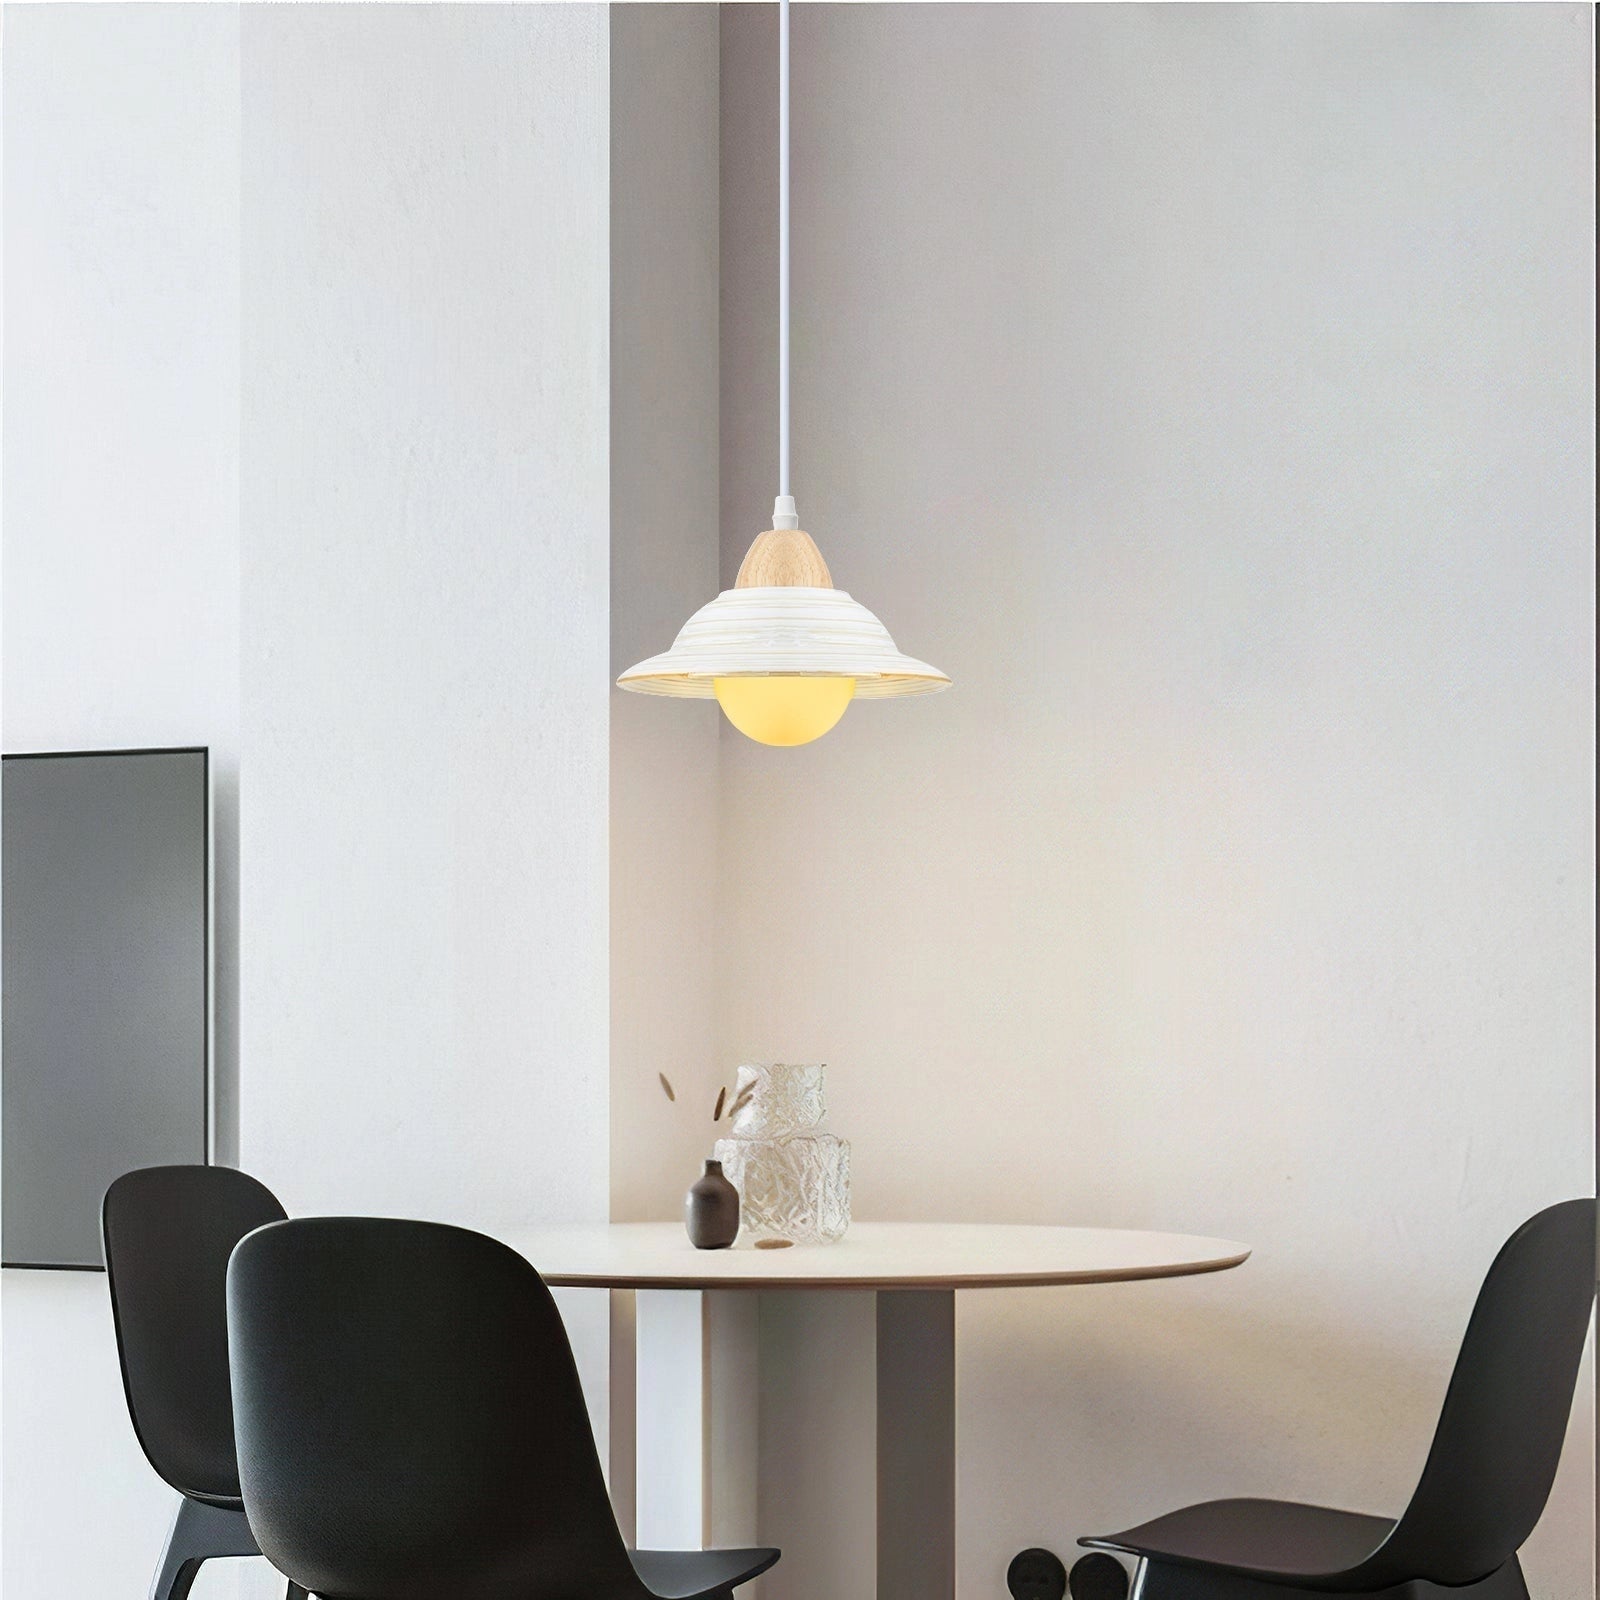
(783,558)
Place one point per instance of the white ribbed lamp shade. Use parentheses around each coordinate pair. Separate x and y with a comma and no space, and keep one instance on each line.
(788,631)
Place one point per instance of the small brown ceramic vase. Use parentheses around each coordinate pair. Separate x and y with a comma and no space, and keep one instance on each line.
(711,1210)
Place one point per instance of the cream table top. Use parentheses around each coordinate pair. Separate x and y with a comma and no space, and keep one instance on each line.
(872,1255)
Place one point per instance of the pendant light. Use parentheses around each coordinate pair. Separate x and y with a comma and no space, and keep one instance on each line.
(783,651)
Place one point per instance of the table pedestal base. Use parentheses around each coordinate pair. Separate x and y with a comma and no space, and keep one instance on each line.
(820,1422)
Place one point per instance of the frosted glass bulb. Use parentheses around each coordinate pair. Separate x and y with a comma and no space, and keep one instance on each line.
(784,710)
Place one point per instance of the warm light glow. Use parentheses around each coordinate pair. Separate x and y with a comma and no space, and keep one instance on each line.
(784,710)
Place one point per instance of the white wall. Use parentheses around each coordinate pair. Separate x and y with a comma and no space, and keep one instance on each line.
(1208,389)
(424,515)
(425,608)
(121,603)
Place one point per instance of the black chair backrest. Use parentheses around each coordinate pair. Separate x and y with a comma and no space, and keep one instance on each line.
(410,1420)
(167,1233)
(1494,1453)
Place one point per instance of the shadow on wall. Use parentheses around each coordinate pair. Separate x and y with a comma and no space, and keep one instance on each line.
(1175,1391)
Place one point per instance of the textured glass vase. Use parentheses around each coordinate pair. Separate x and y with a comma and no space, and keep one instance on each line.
(780,1099)
(793,1177)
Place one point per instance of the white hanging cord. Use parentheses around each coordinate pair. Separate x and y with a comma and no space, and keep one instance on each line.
(783,512)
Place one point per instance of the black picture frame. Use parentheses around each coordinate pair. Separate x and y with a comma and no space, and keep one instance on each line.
(207,945)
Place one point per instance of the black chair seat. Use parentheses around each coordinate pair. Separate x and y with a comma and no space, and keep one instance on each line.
(1277,1540)
(223,1502)
(697,1574)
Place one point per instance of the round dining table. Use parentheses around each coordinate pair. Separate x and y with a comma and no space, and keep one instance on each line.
(700,1339)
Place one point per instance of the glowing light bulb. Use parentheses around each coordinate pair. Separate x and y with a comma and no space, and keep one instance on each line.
(784,710)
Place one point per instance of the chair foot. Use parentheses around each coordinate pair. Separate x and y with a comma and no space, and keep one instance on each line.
(198,1533)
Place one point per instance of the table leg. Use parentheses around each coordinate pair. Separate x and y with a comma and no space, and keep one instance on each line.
(622,1468)
(686,1420)
(916,1444)
(819,1443)
(695,1418)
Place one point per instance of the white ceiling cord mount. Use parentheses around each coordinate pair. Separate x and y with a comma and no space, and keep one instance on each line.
(783,652)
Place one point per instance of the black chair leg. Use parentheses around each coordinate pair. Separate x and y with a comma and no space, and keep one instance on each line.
(198,1533)
(296,1592)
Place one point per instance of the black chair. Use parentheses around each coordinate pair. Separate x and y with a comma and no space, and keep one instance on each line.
(1483,1486)
(167,1234)
(411,1425)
